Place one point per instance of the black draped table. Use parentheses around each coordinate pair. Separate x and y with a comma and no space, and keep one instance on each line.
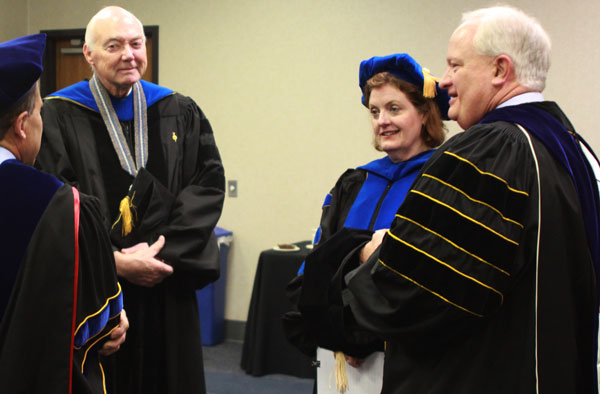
(266,349)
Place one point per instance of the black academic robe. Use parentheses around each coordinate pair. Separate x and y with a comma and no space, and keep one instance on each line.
(367,197)
(59,272)
(163,352)
(363,198)
(458,290)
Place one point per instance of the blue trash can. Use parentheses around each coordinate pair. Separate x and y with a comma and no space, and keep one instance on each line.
(211,299)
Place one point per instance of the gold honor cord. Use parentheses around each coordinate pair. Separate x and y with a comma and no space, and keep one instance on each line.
(140,124)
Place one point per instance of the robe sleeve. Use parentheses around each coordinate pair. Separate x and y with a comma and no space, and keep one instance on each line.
(320,300)
(299,331)
(63,304)
(198,204)
(338,202)
(99,297)
(450,256)
(198,193)
(187,209)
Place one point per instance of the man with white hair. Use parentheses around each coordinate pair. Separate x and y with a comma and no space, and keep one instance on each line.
(486,281)
(149,155)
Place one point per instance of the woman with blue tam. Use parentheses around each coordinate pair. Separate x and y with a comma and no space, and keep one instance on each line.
(407,109)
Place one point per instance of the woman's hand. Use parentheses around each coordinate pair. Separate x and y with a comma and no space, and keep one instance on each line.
(354,361)
(373,244)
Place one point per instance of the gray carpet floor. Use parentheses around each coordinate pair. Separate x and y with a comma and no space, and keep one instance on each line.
(225,376)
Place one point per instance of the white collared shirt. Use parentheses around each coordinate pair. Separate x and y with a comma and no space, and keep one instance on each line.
(5,154)
(529,97)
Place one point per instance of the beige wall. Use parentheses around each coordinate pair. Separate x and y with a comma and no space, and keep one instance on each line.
(13,19)
(278,81)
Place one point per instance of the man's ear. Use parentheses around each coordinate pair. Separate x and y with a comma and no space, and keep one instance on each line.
(504,69)
(87,53)
(19,125)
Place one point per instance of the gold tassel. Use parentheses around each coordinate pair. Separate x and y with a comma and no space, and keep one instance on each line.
(125,208)
(341,378)
(126,215)
(429,81)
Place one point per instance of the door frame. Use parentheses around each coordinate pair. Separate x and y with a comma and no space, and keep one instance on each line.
(48,78)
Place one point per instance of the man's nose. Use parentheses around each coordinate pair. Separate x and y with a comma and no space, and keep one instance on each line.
(445,80)
(127,52)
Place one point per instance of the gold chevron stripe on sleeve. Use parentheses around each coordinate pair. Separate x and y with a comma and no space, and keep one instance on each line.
(465,216)
(486,173)
(446,265)
(453,244)
(430,291)
(474,200)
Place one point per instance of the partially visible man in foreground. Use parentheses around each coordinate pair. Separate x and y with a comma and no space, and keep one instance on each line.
(485,282)
(60,302)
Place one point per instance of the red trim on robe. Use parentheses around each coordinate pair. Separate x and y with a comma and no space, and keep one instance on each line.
(75,284)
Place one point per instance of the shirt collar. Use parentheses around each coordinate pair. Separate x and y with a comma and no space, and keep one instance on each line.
(529,97)
(5,154)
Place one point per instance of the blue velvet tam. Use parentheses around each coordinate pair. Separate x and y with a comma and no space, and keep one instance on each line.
(20,67)
(403,66)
